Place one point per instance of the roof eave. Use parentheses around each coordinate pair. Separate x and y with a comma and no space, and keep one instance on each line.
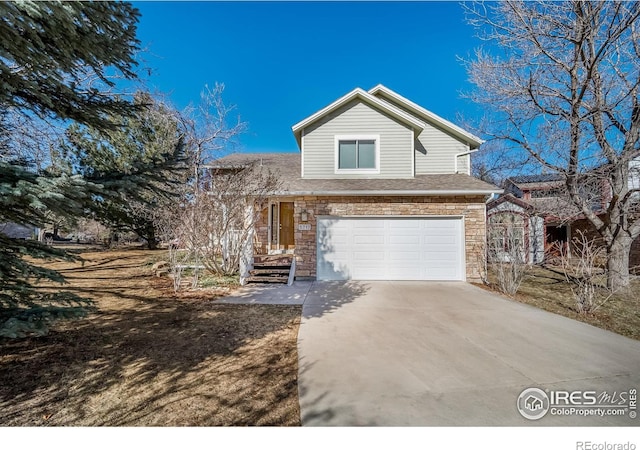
(407,119)
(394,193)
(509,198)
(471,139)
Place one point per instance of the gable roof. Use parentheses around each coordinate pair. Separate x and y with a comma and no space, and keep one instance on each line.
(536,178)
(510,198)
(364,96)
(473,141)
(287,166)
(551,208)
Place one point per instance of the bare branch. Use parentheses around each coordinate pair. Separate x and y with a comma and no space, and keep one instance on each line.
(562,85)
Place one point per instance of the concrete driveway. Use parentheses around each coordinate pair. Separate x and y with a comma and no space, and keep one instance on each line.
(421,353)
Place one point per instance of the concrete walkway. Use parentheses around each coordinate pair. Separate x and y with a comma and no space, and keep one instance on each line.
(420,353)
(270,294)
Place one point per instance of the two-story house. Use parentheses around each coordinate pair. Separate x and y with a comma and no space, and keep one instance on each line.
(381,190)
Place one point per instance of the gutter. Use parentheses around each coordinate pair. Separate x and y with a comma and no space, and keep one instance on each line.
(387,193)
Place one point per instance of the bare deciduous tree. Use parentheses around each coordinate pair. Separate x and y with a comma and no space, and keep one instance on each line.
(505,254)
(171,229)
(208,128)
(230,208)
(211,230)
(204,228)
(584,270)
(562,86)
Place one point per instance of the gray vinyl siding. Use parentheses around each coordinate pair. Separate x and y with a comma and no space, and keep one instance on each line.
(435,149)
(463,163)
(356,117)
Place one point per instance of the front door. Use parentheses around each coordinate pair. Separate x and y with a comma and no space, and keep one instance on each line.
(286,226)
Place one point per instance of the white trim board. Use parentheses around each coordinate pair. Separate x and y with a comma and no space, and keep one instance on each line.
(363,95)
(472,140)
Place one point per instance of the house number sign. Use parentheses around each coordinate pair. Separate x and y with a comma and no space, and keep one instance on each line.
(304,227)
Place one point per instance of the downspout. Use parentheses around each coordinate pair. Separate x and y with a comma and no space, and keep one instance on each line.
(455,160)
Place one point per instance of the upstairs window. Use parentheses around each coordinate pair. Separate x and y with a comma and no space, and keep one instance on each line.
(357,154)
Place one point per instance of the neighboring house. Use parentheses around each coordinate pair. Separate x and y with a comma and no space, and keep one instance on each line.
(381,190)
(537,208)
(514,230)
(18,231)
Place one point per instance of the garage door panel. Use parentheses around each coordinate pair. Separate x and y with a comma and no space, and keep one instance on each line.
(368,239)
(369,224)
(369,273)
(337,256)
(440,261)
(440,241)
(339,239)
(441,222)
(434,232)
(412,239)
(368,257)
(437,247)
(390,249)
(405,224)
(406,255)
(434,256)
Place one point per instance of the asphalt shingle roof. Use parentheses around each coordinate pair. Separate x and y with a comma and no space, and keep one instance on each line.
(536,178)
(287,165)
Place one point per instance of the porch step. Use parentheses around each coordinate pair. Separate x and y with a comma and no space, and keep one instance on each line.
(273,265)
(283,279)
(270,269)
(265,259)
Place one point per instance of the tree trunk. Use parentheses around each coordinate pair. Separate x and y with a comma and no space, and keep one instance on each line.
(618,264)
(149,235)
(152,241)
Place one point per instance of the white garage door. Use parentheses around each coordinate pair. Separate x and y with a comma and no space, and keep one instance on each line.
(400,248)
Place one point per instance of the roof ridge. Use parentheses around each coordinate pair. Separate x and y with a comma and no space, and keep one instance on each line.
(400,115)
(425,112)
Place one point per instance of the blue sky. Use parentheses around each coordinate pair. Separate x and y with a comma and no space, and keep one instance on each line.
(283,61)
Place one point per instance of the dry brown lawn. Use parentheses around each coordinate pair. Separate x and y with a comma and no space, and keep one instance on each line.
(548,290)
(147,357)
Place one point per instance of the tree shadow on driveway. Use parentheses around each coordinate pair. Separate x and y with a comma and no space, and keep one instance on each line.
(326,297)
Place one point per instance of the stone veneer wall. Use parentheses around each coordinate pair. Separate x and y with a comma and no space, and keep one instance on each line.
(472,208)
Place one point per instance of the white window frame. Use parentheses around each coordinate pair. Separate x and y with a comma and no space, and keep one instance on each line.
(356,137)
